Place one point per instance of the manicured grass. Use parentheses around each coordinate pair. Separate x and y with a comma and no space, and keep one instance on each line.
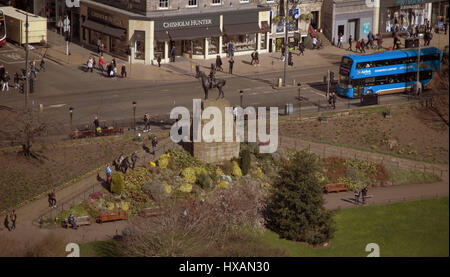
(398,176)
(106,248)
(408,229)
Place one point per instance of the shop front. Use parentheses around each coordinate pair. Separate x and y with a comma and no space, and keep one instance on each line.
(401,15)
(102,27)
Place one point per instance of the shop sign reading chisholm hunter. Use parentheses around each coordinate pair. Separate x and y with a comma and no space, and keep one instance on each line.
(187,23)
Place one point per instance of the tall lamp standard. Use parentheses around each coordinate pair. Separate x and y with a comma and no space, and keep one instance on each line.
(134,116)
(241,93)
(71,113)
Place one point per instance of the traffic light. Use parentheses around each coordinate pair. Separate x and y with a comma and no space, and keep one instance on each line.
(290,62)
(22,87)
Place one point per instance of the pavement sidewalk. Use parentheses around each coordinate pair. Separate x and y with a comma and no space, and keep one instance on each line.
(184,68)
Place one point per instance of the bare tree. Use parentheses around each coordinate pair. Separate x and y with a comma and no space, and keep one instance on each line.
(22,128)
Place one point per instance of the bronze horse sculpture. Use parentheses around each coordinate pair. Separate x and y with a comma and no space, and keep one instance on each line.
(206,83)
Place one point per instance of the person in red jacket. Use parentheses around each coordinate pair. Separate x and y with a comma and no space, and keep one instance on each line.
(101,62)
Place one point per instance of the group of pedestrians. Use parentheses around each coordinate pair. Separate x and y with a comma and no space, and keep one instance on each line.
(5,78)
(361,45)
(111,68)
(10,217)
(363,194)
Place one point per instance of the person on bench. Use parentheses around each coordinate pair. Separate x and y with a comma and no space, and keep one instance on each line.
(71,220)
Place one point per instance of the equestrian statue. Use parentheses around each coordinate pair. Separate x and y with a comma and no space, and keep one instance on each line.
(209,82)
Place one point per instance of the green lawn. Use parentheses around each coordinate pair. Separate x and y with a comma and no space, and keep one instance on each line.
(416,228)
(408,229)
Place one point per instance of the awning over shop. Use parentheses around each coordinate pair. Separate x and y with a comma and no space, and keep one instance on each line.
(195,33)
(114,32)
(162,36)
(239,29)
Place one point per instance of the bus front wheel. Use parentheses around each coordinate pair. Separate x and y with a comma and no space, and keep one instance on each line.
(369,92)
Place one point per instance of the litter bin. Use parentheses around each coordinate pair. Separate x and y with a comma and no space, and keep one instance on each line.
(289,109)
(411,43)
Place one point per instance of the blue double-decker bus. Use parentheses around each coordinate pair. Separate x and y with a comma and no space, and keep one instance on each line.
(386,72)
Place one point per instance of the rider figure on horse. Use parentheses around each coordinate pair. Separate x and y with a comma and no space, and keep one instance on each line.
(212,76)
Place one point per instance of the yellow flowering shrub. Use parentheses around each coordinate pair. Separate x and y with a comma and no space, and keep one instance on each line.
(259,173)
(189,175)
(237,172)
(124,206)
(152,164)
(109,206)
(163,162)
(167,189)
(185,188)
(222,185)
(219,171)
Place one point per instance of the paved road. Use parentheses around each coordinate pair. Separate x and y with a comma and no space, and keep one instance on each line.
(91,93)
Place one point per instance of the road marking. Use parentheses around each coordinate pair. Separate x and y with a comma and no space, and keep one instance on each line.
(56,106)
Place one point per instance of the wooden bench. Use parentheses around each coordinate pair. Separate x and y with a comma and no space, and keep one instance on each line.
(111,216)
(335,187)
(80,221)
(153,211)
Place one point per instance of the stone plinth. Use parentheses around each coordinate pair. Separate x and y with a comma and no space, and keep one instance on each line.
(216,152)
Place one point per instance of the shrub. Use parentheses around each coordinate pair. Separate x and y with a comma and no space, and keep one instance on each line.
(237,172)
(163,163)
(204,181)
(335,168)
(185,188)
(189,175)
(228,168)
(156,190)
(245,161)
(117,183)
(183,158)
(295,208)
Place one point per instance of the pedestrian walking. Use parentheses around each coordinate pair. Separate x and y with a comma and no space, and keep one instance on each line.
(154,144)
(123,71)
(301,47)
(253,58)
(134,158)
(42,65)
(108,172)
(6,80)
(101,62)
(445,27)
(99,43)
(370,40)
(358,46)
(363,46)
(283,52)
(172,53)
(52,199)
(147,122)
(33,68)
(114,62)
(71,220)
(219,63)
(6,222)
(231,63)
(16,80)
(379,41)
(364,195)
(330,101)
(257,57)
(396,42)
(350,40)
(357,196)
(102,48)
(314,42)
(96,126)
(114,72)
(90,64)
(230,49)
(339,45)
(13,218)
(159,60)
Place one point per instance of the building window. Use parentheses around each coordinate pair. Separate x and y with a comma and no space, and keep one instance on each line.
(139,45)
(163,4)
(244,1)
(270,1)
(217,2)
(192,3)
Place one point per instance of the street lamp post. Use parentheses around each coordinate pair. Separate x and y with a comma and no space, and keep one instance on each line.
(241,93)
(71,112)
(286,49)
(299,101)
(134,116)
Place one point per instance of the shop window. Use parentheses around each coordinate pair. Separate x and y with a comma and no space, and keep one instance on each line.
(159,49)
(213,46)
(139,45)
(163,4)
(192,3)
(194,47)
(263,42)
(245,42)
